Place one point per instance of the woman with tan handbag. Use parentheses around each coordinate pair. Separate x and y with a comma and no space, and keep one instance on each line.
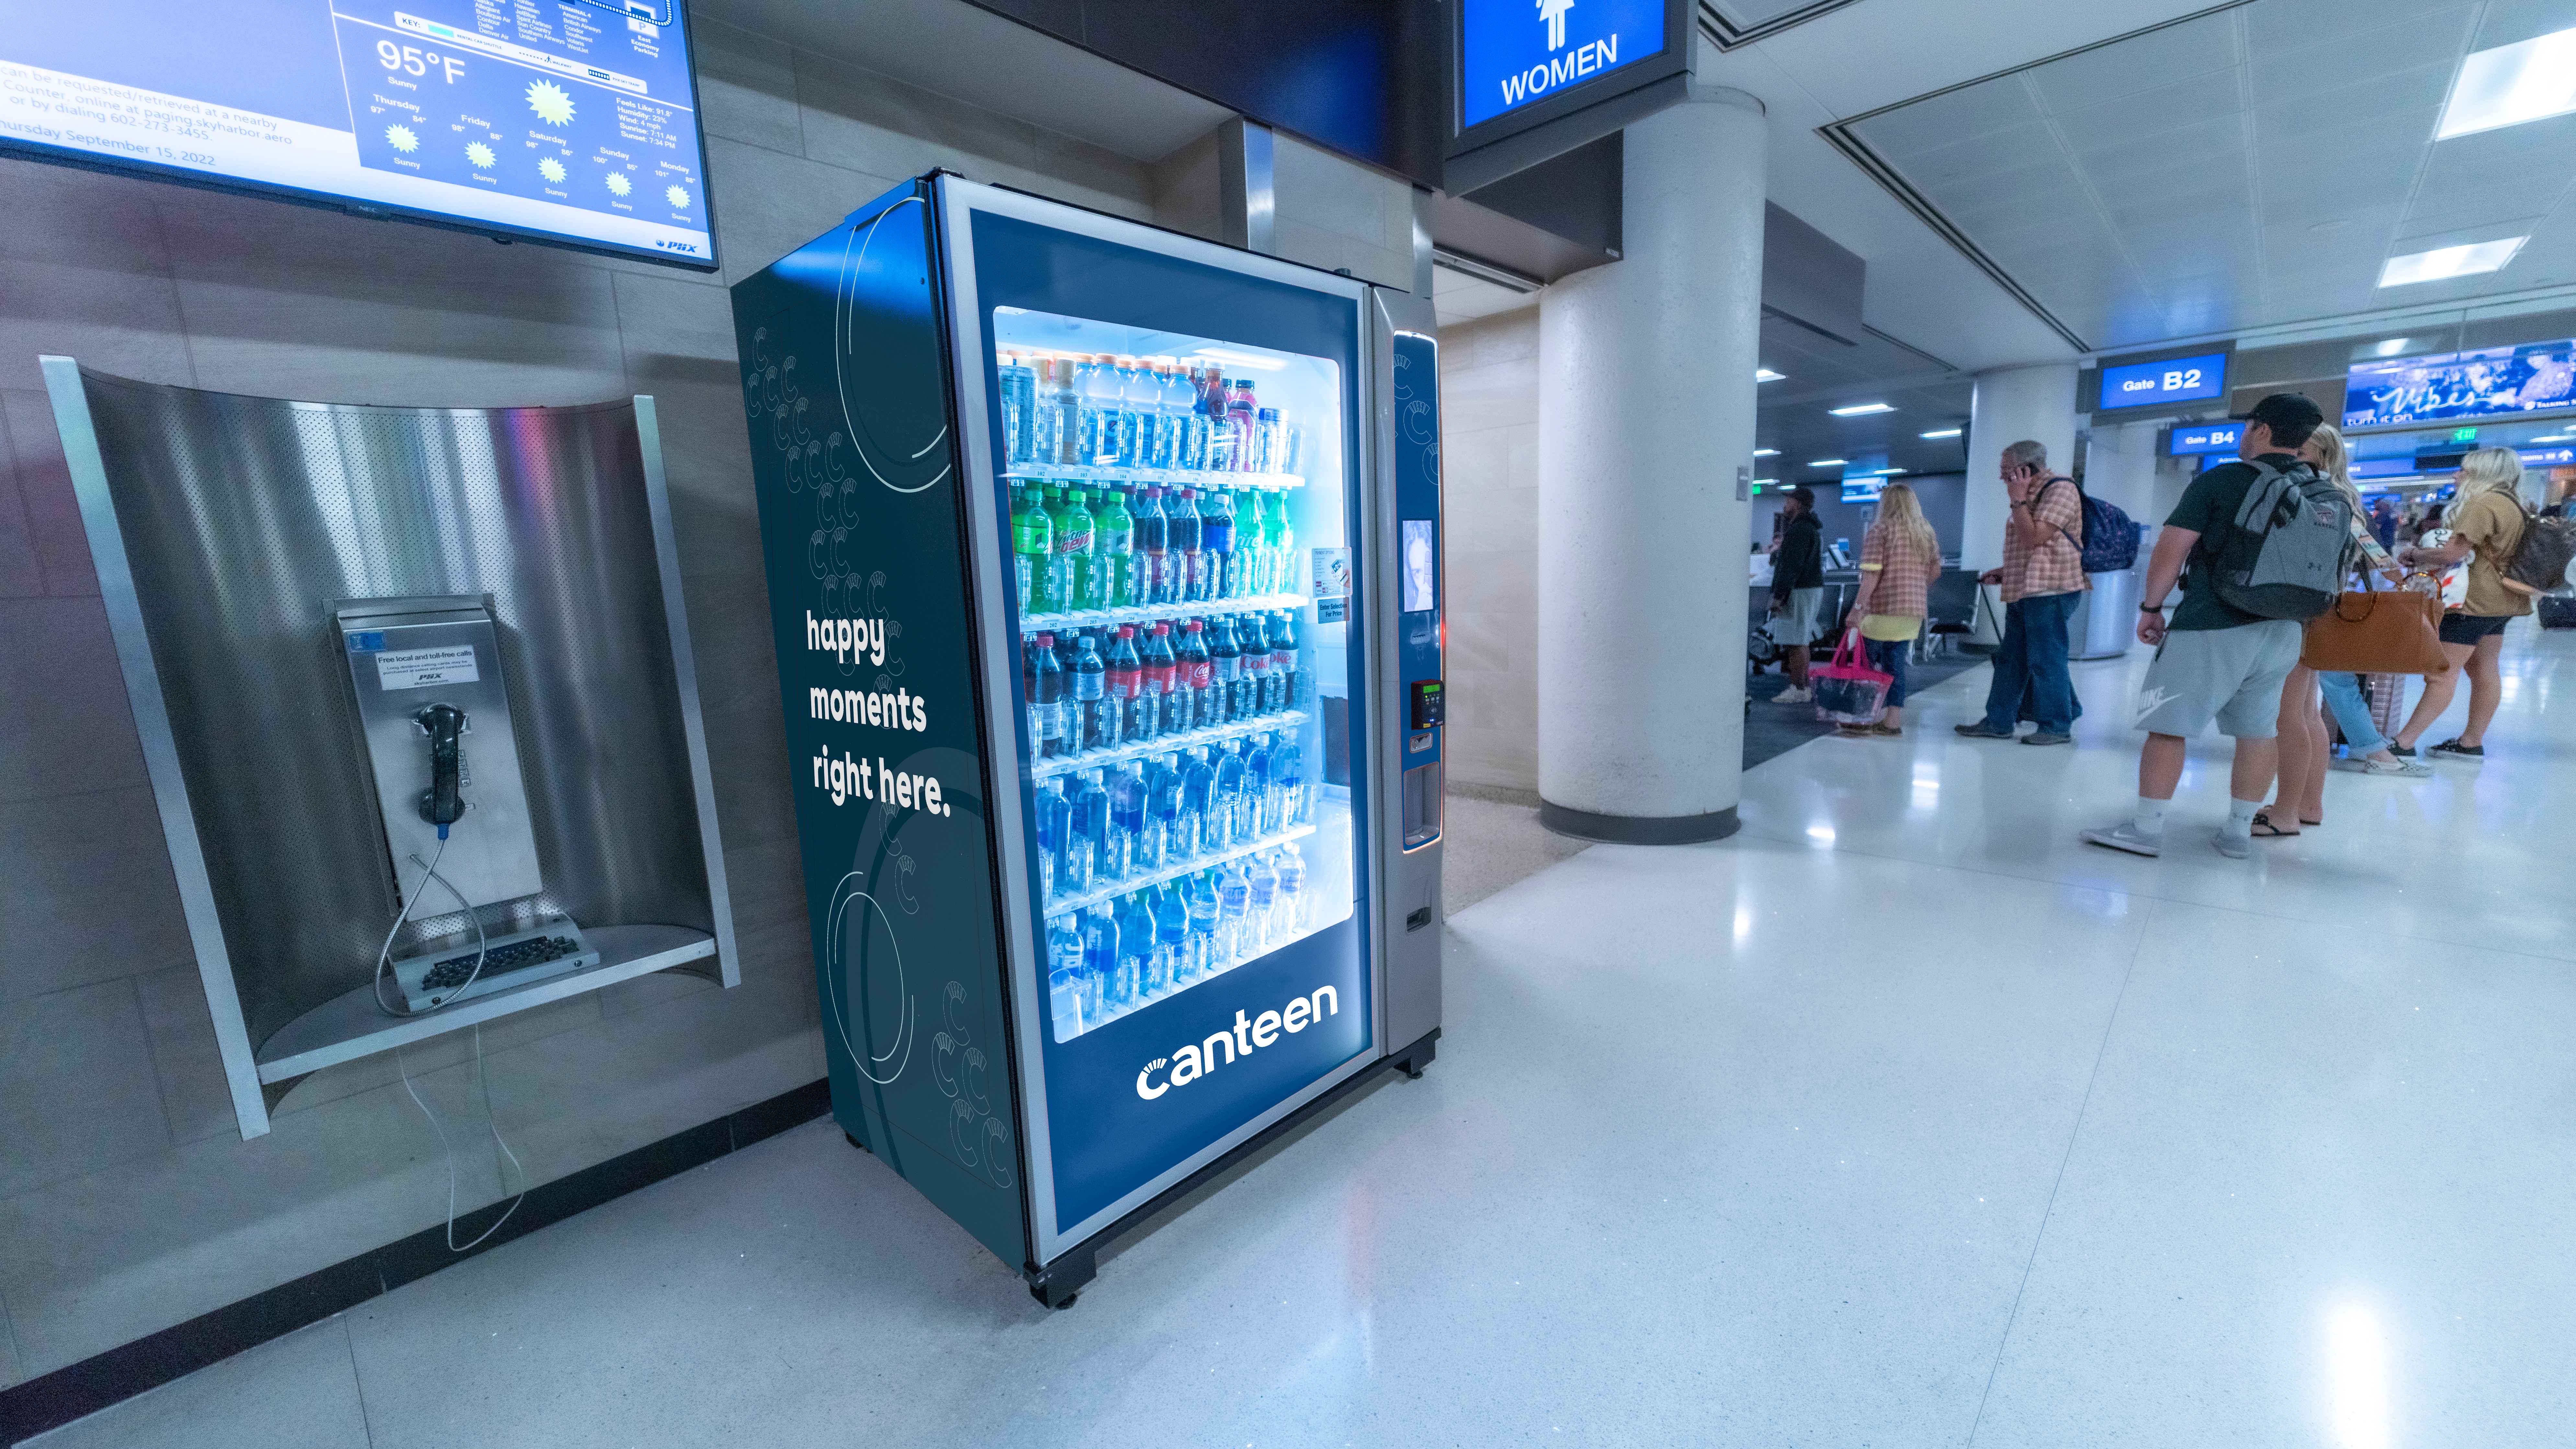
(2486,525)
(2299,798)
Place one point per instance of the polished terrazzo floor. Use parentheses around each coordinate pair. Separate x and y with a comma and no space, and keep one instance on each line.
(1901,1119)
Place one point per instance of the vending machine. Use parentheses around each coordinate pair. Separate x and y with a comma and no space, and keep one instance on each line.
(1105,566)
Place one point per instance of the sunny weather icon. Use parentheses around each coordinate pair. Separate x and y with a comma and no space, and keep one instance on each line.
(678,198)
(549,101)
(402,138)
(481,155)
(618,183)
(551,169)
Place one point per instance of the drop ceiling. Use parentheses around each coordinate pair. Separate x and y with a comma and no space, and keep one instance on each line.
(1817,374)
(2248,168)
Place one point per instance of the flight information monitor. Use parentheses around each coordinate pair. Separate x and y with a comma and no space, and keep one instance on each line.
(2165,380)
(566,121)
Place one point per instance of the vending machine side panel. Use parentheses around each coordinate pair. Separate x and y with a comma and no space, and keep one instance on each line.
(1412,642)
(847,386)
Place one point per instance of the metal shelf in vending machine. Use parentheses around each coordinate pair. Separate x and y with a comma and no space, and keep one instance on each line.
(1073,962)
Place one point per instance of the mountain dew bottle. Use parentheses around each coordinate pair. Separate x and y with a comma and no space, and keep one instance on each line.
(1114,547)
(1032,545)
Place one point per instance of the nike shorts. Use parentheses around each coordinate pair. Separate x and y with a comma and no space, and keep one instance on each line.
(2232,676)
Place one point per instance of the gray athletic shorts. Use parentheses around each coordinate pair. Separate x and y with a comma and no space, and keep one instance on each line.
(2230,675)
(1798,623)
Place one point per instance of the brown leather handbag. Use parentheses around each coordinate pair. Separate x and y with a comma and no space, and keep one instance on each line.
(2377,631)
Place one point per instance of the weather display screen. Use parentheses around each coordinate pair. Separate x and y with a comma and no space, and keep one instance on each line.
(2489,383)
(562,120)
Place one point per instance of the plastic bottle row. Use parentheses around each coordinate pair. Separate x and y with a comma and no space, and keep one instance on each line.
(1105,962)
(1107,410)
(1138,682)
(1128,821)
(1106,546)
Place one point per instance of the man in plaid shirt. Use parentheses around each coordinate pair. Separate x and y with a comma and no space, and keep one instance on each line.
(2043,579)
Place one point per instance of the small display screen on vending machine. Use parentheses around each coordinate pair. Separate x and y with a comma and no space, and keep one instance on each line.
(1421,569)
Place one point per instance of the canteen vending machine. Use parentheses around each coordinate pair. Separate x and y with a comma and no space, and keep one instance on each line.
(1105,570)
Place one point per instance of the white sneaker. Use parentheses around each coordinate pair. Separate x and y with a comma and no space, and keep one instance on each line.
(2127,836)
(2234,847)
(2408,769)
(1794,696)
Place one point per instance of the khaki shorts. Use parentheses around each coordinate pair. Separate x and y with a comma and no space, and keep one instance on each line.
(2232,676)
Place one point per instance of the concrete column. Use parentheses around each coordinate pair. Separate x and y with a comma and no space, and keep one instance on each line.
(2012,404)
(1645,414)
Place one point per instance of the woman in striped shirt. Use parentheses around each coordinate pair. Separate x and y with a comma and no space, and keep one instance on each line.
(1899,558)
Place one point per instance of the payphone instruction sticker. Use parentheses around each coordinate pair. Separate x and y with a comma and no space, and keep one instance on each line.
(421,668)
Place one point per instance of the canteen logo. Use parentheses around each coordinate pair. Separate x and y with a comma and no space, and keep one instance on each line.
(1248,1035)
(1553,12)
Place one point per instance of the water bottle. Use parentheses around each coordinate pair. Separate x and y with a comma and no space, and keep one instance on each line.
(1087,802)
(1260,758)
(1054,823)
(1089,420)
(1287,783)
(1066,989)
(1046,416)
(1260,917)
(1232,798)
(1135,968)
(1138,401)
(1292,892)
(1204,914)
(1165,830)
(1198,832)
(1171,938)
(1233,905)
(1270,445)
(1127,822)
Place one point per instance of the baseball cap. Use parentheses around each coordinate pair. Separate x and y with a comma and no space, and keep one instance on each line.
(1804,494)
(2290,412)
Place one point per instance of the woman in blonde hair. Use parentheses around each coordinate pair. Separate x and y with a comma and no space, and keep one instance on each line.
(2486,521)
(1899,558)
(2300,797)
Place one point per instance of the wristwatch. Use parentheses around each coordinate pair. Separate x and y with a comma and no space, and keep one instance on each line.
(2151,608)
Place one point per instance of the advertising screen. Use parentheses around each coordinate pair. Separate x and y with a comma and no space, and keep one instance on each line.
(2494,382)
(2166,380)
(1512,53)
(573,122)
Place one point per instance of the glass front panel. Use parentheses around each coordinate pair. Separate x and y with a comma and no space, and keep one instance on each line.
(1179,531)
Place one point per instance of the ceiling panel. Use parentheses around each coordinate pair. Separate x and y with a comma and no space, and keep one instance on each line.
(2116,185)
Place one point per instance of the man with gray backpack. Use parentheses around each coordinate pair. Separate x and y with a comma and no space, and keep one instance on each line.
(2267,542)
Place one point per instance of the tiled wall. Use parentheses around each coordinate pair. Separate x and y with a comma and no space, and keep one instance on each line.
(1489,469)
(127,1200)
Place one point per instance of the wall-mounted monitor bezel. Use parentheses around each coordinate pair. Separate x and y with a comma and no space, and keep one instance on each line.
(2212,390)
(30,150)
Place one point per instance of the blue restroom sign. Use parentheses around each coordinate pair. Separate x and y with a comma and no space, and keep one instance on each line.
(1514,52)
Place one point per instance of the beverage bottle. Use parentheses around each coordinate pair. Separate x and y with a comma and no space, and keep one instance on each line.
(1100,398)
(1043,673)
(1197,674)
(1113,534)
(1198,805)
(1171,413)
(1181,510)
(1221,435)
(1288,779)
(1217,545)
(1032,544)
(1100,960)
(1077,548)
(1194,433)
(1136,404)
(1054,824)
(1260,915)
(1259,758)
(1233,909)
(1066,988)
(1068,409)
(1256,669)
(1274,682)
(1135,970)
(1298,681)
(1006,393)
(1281,540)
(1292,891)
(1225,670)
(1087,801)
(1232,798)
(1131,715)
(1164,827)
(1058,588)
(1127,820)
(1046,418)
(1162,684)
(1240,416)
(1171,936)
(1204,915)
(1153,541)
(1273,449)
(1254,564)
(1088,681)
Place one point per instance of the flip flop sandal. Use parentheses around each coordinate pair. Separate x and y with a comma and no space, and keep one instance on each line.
(2264,829)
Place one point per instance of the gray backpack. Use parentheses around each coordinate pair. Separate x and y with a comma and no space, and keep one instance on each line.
(2285,554)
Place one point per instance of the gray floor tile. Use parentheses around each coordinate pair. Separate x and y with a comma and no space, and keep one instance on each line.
(298,1392)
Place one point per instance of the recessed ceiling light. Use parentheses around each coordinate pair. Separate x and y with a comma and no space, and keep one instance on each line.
(2391,347)
(2441,264)
(1764,374)
(1766,452)
(1887,472)
(2556,438)
(1764,482)
(2528,80)
(1940,433)
(1861,410)
(1827,462)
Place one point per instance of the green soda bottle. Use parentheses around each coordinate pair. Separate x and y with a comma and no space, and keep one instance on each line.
(1075,541)
(1114,545)
(1279,547)
(1032,545)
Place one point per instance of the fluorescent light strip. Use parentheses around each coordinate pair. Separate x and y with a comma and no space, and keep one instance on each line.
(1766,452)
(1940,433)
(2529,80)
(2390,348)
(1862,410)
(2444,264)
(1764,374)
(1827,462)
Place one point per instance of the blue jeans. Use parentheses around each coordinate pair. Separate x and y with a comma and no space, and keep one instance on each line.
(2031,681)
(2343,696)
(1887,656)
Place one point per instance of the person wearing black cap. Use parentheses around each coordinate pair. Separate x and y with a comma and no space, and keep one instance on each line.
(2214,661)
(1798,591)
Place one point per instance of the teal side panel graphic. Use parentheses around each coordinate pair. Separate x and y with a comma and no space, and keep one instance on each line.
(854,455)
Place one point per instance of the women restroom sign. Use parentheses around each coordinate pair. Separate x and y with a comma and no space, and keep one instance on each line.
(1514,52)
